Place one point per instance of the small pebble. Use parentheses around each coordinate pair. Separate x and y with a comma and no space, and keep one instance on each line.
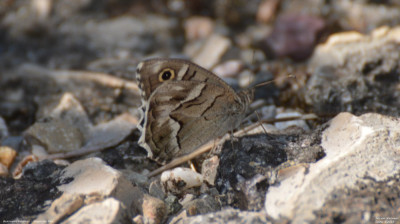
(229,68)
(180,179)
(7,156)
(212,51)
(3,170)
(285,124)
(209,170)
(198,27)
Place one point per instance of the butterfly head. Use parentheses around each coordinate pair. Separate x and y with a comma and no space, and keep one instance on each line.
(247,97)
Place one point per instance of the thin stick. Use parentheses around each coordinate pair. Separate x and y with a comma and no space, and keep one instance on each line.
(205,148)
(259,121)
(271,81)
(80,152)
(65,75)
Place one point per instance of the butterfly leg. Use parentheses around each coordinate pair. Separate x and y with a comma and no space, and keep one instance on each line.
(233,138)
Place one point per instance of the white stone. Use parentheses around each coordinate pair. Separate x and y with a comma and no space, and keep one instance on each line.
(180,179)
(357,149)
(92,177)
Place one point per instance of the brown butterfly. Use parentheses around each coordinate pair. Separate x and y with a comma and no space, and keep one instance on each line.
(184,106)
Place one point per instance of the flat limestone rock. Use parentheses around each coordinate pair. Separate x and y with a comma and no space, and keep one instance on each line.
(227,215)
(357,149)
(92,177)
(111,133)
(60,208)
(353,51)
(107,211)
(211,51)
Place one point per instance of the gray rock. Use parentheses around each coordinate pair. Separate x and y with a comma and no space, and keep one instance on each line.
(127,32)
(362,15)
(3,129)
(249,157)
(173,205)
(110,133)
(202,205)
(27,18)
(156,190)
(70,110)
(55,135)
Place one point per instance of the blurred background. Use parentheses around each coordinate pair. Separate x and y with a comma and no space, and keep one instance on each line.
(242,41)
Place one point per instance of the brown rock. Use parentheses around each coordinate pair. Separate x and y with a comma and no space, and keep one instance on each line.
(17,172)
(3,170)
(294,36)
(266,10)
(7,156)
(209,170)
(150,207)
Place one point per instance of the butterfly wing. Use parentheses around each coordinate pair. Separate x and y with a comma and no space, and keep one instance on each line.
(183,115)
(148,72)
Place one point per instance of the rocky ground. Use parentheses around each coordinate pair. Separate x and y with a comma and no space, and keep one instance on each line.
(328,150)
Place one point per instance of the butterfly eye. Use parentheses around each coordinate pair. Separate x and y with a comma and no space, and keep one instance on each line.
(166,74)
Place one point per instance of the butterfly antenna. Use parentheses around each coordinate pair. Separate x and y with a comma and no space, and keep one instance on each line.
(290,76)
(253,57)
(260,123)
